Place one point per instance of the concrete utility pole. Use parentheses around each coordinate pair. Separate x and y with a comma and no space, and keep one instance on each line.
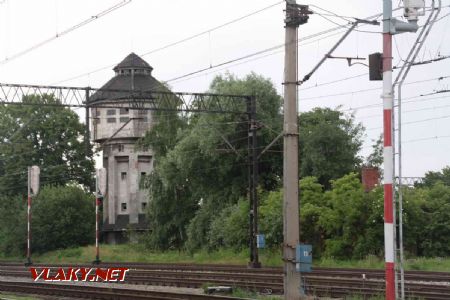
(295,16)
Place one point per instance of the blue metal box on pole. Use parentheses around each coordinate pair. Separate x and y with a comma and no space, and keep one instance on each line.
(304,258)
(260,241)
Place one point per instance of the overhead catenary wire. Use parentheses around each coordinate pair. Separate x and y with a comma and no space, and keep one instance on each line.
(415,122)
(176,79)
(368,90)
(264,51)
(374,105)
(436,137)
(229,61)
(169,45)
(185,78)
(66,31)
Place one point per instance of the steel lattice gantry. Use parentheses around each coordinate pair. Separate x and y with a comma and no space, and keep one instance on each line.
(156,100)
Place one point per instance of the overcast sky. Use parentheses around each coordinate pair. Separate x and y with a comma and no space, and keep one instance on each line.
(142,26)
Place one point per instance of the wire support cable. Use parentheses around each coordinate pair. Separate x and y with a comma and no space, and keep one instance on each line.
(66,31)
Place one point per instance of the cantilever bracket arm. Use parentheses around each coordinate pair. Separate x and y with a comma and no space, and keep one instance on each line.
(328,55)
(271,144)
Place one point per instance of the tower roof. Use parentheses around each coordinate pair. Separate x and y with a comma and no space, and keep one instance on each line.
(120,86)
(132,61)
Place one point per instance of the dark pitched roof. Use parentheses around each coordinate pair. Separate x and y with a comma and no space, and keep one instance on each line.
(132,61)
(117,87)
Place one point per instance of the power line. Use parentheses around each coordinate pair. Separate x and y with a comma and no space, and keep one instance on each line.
(66,31)
(176,79)
(380,104)
(250,60)
(372,89)
(436,137)
(255,53)
(417,121)
(427,138)
(407,111)
(344,26)
(179,41)
(267,50)
(233,60)
(331,82)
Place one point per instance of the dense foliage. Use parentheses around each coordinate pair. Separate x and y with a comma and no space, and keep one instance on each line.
(51,137)
(344,222)
(329,143)
(62,217)
(46,136)
(199,187)
(199,177)
(12,225)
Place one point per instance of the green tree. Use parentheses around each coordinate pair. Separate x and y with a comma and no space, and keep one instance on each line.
(375,159)
(427,220)
(437,227)
(47,136)
(431,178)
(63,217)
(329,143)
(271,218)
(170,209)
(12,225)
(313,205)
(345,217)
(197,169)
(197,161)
(230,228)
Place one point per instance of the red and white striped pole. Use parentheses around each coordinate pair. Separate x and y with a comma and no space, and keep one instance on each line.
(97,248)
(388,154)
(97,219)
(29,219)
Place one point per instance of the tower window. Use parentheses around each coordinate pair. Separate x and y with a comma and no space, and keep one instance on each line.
(121,148)
(123,206)
(124,111)
(111,112)
(111,120)
(142,180)
(124,119)
(123,175)
(144,205)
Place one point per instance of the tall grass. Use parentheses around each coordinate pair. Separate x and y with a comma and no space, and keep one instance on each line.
(268,258)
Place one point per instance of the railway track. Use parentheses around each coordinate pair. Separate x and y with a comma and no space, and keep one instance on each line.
(321,282)
(105,293)
(331,272)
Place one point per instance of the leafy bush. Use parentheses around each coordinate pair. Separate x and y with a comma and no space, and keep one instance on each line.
(63,217)
(12,226)
(230,228)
